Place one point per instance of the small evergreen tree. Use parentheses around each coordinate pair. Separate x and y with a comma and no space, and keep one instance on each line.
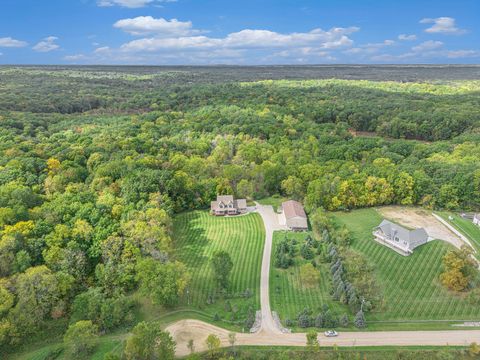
(344,322)
(360,321)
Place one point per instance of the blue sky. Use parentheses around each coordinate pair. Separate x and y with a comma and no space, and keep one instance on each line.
(162,32)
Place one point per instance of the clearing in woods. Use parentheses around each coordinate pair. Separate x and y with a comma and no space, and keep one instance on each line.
(410,285)
(197,236)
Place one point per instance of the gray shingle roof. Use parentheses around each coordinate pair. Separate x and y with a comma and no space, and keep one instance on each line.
(413,238)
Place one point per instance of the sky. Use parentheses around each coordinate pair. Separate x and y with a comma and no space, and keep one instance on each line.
(246,32)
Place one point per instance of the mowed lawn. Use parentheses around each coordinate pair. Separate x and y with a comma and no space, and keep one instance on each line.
(288,296)
(197,235)
(410,285)
(466,227)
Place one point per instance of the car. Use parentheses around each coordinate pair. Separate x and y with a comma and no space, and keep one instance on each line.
(331,333)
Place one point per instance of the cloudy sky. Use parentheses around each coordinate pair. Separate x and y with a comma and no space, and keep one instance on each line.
(162,32)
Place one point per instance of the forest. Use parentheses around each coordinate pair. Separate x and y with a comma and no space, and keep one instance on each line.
(95,163)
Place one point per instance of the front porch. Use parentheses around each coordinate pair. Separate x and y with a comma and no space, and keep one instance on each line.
(381,239)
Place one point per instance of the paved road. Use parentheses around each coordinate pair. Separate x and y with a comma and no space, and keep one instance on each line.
(184,330)
(270,220)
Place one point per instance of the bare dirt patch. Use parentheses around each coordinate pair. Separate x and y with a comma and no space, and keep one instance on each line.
(416,218)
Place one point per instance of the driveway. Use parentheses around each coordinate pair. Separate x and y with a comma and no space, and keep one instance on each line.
(185,330)
(417,218)
(270,220)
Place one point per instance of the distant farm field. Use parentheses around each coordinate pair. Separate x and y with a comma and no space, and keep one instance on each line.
(289,296)
(197,236)
(410,285)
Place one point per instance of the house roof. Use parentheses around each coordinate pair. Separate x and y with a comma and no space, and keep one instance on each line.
(241,203)
(225,198)
(410,236)
(292,208)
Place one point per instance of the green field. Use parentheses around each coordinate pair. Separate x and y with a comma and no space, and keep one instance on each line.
(410,285)
(287,294)
(275,200)
(465,226)
(198,235)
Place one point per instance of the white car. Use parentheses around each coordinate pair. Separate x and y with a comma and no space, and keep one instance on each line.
(331,333)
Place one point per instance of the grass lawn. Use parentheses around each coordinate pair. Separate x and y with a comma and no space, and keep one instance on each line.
(288,296)
(197,236)
(275,200)
(410,285)
(465,226)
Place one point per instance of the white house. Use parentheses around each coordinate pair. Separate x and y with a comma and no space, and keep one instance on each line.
(227,205)
(398,238)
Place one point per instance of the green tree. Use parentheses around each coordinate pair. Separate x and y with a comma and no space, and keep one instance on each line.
(360,321)
(80,338)
(149,342)
(213,345)
(222,266)
(163,283)
(312,341)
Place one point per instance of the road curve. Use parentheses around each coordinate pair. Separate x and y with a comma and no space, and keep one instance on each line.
(184,330)
(270,221)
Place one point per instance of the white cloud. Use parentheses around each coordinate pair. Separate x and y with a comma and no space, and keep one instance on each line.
(132,4)
(369,48)
(76,57)
(173,41)
(428,46)
(160,27)
(101,50)
(247,39)
(46,45)
(442,25)
(405,37)
(12,43)
(458,54)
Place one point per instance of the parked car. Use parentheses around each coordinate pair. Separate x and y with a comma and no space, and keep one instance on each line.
(331,333)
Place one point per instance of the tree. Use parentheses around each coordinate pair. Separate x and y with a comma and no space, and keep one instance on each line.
(474,349)
(213,345)
(191,346)
(232,339)
(80,338)
(309,275)
(307,252)
(164,283)
(344,322)
(312,341)
(360,321)
(6,300)
(222,266)
(149,342)
(459,269)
